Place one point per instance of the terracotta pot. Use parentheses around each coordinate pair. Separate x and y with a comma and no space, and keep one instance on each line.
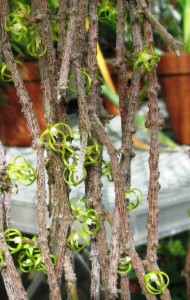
(13,125)
(174,77)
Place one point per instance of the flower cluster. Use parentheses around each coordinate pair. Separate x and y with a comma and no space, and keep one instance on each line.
(30,255)
(90,224)
(61,139)
(107,12)
(19,25)
(20,171)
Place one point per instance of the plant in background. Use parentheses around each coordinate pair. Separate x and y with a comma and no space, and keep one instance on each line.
(185,6)
(107,12)
(170,17)
(24,40)
(17,25)
(175,16)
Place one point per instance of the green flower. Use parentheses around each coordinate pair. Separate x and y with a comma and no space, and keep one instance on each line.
(156,282)
(146,61)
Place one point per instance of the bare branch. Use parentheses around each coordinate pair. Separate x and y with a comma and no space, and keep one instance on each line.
(175,45)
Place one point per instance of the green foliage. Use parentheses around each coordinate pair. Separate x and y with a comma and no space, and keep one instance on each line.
(13,238)
(53,4)
(1,258)
(176,248)
(175,17)
(56,137)
(17,26)
(170,17)
(107,13)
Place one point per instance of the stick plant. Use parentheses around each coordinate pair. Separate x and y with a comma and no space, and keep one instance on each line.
(76,158)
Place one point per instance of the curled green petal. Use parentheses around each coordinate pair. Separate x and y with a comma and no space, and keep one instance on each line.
(39,263)
(106,170)
(36,48)
(1,258)
(75,176)
(88,80)
(20,9)
(133,198)
(25,262)
(77,241)
(91,223)
(5,73)
(13,239)
(93,152)
(124,265)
